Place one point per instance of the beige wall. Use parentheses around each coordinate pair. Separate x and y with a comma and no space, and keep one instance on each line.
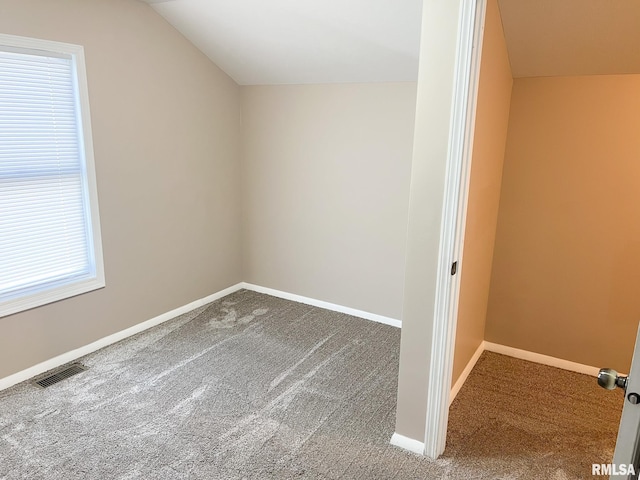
(326,173)
(566,271)
(166,135)
(492,120)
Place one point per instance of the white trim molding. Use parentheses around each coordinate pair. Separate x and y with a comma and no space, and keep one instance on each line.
(72,355)
(322,304)
(418,447)
(522,355)
(465,373)
(542,359)
(67,357)
(466,78)
(407,443)
(56,289)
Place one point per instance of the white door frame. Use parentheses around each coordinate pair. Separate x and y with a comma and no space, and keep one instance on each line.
(467,70)
(628,440)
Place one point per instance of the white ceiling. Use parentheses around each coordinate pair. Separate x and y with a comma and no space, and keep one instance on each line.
(267,42)
(572,37)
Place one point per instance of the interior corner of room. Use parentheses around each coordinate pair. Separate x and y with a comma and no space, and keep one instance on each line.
(328,187)
(205,184)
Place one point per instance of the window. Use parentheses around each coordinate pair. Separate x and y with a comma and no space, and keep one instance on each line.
(50,245)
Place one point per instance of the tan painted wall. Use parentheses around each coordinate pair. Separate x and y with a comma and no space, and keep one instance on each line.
(492,120)
(566,271)
(325,174)
(166,135)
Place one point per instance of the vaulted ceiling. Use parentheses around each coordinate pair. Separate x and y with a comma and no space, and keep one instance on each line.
(344,41)
(303,41)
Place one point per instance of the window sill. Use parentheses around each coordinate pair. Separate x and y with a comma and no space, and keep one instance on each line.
(10,307)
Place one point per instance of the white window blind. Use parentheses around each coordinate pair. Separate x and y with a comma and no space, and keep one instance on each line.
(46,238)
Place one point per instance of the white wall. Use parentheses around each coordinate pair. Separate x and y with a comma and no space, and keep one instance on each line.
(326,171)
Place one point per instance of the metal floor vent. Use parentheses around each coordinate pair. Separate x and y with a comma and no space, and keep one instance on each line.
(60,375)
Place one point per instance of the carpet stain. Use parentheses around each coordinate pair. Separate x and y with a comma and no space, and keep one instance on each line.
(232,319)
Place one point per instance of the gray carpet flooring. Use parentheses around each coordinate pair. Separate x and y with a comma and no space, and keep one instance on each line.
(256,387)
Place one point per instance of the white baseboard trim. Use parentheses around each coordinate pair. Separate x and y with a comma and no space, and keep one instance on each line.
(326,305)
(72,355)
(522,355)
(543,359)
(407,443)
(418,447)
(67,357)
(465,373)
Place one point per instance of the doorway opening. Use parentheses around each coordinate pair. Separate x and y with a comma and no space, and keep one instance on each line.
(550,274)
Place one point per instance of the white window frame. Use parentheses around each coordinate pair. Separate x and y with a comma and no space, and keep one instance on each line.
(60,291)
